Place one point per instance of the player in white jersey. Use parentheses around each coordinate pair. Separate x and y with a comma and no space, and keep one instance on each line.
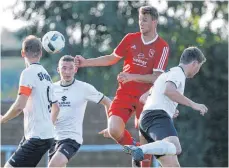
(72,96)
(35,98)
(156,123)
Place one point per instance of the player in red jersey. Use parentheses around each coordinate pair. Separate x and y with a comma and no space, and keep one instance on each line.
(146,57)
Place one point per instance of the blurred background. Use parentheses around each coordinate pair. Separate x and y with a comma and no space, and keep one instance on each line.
(94,28)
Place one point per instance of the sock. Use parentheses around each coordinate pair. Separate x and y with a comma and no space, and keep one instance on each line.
(159,148)
(147,161)
(125,139)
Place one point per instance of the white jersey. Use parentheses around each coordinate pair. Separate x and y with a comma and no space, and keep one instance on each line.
(72,102)
(157,100)
(37,118)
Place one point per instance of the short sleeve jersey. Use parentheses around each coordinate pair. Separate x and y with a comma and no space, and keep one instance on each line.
(141,58)
(36,83)
(72,102)
(157,100)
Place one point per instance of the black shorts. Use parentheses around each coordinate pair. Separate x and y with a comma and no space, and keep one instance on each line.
(156,125)
(68,147)
(30,152)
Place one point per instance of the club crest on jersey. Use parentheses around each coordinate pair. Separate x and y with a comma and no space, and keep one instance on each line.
(151,53)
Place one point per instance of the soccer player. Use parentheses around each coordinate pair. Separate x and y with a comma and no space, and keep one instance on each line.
(72,96)
(156,124)
(146,57)
(35,98)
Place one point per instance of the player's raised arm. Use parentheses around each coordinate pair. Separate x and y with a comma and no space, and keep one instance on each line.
(176,96)
(106,60)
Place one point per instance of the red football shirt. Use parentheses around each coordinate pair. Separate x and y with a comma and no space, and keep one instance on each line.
(141,58)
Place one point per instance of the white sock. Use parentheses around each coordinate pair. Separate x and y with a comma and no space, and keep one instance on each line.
(159,148)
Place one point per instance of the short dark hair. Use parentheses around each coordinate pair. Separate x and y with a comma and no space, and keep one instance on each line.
(67,58)
(149,10)
(192,54)
(32,46)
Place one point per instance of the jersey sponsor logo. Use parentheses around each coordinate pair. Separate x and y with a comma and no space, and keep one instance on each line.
(151,53)
(63,98)
(64,102)
(139,60)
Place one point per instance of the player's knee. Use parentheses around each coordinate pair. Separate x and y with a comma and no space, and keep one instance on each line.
(114,132)
(57,163)
(179,150)
(7,165)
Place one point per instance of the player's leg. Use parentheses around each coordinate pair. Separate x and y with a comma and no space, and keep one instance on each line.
(147,162)
(158,148)
(119,113)
(64,151)
(155,126)
(29,153)
(163,132)
(8,165)
(58,160)
(171,161)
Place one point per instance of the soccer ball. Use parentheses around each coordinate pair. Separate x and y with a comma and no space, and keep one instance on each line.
(53,42)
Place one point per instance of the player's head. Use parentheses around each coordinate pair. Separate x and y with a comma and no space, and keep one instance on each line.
(148,17)
(66,68)
(193,59)
(31,47)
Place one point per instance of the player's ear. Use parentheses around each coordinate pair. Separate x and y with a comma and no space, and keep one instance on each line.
(22,53)
(58,70)
(76,69)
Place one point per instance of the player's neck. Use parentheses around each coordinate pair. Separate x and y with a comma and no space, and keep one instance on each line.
(66,83)
(147,37)
(184,69)
(30,61)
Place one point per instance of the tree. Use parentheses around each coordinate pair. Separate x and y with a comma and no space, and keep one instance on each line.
(95,28)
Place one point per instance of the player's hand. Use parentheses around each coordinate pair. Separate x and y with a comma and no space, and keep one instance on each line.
(79,61)
(124,77)
(200,107)
(105,133)
(176,114)
(1,121)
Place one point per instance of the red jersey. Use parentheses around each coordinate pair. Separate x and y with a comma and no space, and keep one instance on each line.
(141,58)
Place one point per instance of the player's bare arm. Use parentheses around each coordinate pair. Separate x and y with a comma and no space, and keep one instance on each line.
(15,109)
(143,98)
(174,95)
(55,112)
(106,60)
(148,78)
(106,102)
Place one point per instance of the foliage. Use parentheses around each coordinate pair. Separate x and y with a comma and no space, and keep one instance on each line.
(95,28)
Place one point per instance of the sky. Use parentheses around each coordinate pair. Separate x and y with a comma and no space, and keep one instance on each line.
(7,20)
